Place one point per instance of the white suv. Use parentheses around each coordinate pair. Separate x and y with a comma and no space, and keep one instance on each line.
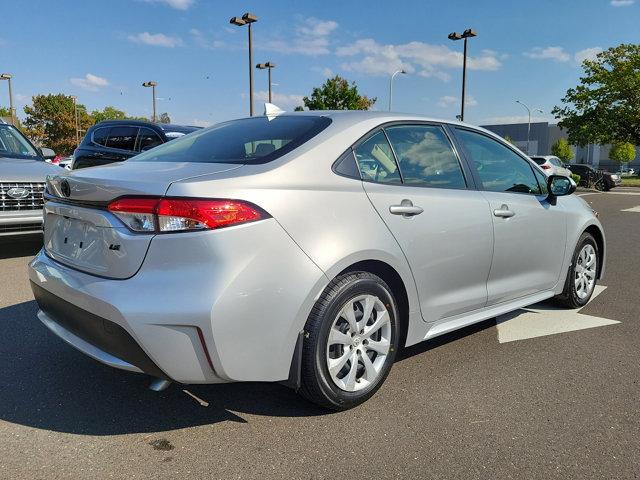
(553,165)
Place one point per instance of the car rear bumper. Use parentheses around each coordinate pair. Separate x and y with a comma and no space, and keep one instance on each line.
(205,307)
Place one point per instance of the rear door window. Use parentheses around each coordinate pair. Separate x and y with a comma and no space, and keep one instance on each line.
(122,138)
(426,156)
(376,160)
(148,139)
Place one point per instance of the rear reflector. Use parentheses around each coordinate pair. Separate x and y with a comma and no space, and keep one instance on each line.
(142,214)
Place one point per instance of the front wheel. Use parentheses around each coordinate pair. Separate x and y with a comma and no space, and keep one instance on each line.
(583,273)
(350,343)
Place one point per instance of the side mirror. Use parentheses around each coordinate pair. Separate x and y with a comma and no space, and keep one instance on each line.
(559,186)
(47,153)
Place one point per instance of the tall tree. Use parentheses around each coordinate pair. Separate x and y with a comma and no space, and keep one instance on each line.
(622,152)
(605,107)
(50,122)
(337,94)
(164,118)
(562,150)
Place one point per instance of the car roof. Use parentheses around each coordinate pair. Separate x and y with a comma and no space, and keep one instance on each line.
(167,127)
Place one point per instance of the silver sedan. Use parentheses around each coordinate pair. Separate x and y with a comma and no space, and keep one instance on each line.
(306,249)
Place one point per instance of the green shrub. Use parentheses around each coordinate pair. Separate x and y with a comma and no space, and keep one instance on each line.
(576,178)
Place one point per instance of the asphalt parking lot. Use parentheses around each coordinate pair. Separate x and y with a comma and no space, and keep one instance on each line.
(462,406)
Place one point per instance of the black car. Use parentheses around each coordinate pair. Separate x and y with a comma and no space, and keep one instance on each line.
(594,178)
(117,140)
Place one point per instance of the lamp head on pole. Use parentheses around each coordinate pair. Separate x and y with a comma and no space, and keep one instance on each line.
(150,84)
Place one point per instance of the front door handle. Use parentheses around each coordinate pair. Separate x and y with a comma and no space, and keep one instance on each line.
(406,209)
(504,212)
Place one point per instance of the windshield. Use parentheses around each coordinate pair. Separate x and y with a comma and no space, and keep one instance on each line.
(13,144)
(249,140)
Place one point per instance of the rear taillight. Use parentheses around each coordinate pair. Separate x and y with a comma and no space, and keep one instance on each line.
(546,167)
(142,214)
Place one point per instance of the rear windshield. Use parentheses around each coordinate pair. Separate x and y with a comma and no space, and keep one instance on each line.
(539,160)
(249,140)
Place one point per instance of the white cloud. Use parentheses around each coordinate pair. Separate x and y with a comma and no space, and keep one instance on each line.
(90,82)
(449,100)
(177,4)
(156,39)
(557,54)
(22,98)
(324,71)
(587,54)
(427,60)
(280,99)
(622,3)
(203,42)
(311,38)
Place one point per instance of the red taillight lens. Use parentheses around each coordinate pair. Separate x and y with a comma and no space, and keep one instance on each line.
(546,167)
(182,214)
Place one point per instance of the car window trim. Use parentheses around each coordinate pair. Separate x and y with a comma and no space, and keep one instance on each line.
(137,142)
(476,175)
(105,127)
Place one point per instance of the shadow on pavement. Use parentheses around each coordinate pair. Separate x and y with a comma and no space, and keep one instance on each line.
(46,384)
(21,247)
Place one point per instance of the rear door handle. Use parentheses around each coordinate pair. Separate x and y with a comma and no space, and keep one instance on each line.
(504,212)
(406,209)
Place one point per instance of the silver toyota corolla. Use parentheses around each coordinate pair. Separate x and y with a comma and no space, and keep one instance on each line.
(306,249)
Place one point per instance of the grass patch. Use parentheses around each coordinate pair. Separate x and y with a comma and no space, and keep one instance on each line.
(631,181)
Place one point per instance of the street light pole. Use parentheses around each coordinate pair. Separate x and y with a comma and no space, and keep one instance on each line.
(529,121)
(75,114)
(468,33)
(391,86)
(247,19)
(268,66)
(12,110)
(153,85)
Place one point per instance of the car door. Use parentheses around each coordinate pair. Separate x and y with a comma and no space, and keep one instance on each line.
(529,232)
(420,190)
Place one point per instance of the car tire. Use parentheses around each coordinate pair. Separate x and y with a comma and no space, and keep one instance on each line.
(581,280)
(337,335)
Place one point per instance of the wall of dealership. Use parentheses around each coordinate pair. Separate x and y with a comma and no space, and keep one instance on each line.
(544,135)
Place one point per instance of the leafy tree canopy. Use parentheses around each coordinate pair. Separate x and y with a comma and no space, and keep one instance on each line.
(622,152)
(337,94)
(605,107)
(562,150)
(50,122)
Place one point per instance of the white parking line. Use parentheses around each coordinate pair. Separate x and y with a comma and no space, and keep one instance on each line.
(632,209)
(544,319)
(585,194)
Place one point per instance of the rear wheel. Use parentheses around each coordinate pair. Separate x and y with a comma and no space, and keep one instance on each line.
(350,341)
(583,272)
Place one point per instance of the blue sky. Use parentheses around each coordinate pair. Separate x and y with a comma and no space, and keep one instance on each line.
(102,51)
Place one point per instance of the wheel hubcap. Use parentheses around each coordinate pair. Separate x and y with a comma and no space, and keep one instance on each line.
(585,271)
(358,343)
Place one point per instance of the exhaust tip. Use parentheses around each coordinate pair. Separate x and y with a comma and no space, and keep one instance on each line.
(159,384)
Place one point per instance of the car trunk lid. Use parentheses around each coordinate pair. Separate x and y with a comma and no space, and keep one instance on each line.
(81,233)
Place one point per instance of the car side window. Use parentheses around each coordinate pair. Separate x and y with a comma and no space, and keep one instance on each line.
(100,135)
(148,139)
(426,156)
(500,169)
(542,181)
(123,138)
(376,160)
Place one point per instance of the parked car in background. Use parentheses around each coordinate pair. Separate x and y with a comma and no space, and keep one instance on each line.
(64,162)
(23,171)
(117,140)
(305,248)
(553,165)
(595,178)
